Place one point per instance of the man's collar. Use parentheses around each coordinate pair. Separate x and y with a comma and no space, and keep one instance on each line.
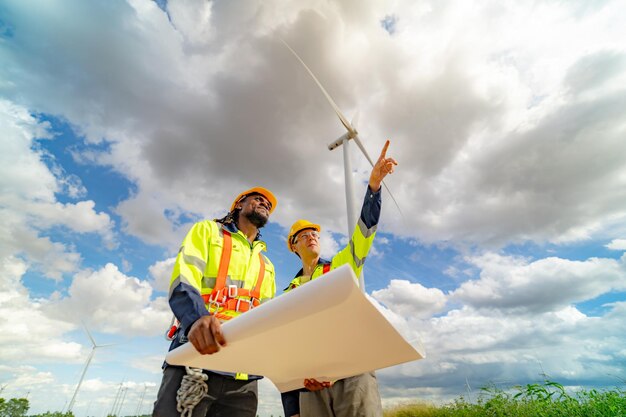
(232,228)
(320,261)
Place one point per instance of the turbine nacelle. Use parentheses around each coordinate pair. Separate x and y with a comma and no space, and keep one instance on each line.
(339,142)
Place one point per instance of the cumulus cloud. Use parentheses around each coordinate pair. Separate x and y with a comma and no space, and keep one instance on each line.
(487,345)
(26,376)
(161,273)
(24,317)
(329,246)
(29,204)
(617,244)
(490,132)
(126,307)
(548,284)
(406,298)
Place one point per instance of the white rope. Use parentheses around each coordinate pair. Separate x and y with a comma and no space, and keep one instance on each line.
(192,389)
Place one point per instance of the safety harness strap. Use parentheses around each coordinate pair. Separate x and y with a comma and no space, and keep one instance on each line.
(222,272)
(228,299)
(256,291)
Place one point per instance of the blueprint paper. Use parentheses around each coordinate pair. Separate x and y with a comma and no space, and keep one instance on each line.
(326,329)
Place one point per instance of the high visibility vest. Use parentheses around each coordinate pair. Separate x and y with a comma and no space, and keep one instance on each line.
(354,254)
(231,275)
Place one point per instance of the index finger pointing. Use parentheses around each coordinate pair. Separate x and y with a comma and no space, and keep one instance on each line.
(384,151)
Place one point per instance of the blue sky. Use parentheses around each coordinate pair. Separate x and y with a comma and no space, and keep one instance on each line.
(123,122)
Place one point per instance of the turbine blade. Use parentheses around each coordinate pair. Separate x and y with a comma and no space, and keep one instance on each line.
(362,148)
(342,118)
(394,200)
(355,120)
(107,345)
(93,342)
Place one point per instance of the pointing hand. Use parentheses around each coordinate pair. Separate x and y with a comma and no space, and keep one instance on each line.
(382,168)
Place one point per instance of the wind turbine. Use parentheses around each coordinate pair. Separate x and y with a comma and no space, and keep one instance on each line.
(118,395)
(145,388)
(94,346)
(344,140)
(121,403)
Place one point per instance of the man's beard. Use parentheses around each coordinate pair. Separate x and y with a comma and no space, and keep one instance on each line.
(256,219)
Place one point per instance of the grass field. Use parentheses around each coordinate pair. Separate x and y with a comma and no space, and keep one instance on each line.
(533,400)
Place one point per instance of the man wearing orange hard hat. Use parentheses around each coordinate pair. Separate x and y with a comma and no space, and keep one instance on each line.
(357,395)
(219,274)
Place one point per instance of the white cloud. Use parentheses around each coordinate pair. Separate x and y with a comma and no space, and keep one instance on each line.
(491,337)
(477,122)
(29,205)
(113,303)
(161,273)
(411,299)
(544,285)
(24,317)
(150,364)
(26,376)
(329,246)
(617,244)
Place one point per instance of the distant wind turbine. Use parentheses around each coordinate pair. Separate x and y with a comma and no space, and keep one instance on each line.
(121,403)
(118,395)
(351,133)
(94,346)
(145,388)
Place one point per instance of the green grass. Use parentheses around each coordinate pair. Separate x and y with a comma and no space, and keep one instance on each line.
(533,400)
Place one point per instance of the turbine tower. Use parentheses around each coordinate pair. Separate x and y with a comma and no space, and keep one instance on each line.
(94,346)
(344,140)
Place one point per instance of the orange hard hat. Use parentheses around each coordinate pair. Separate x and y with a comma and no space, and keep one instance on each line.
(256,190)
(299,226)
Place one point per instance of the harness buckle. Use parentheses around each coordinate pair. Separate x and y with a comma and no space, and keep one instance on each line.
(215,304)
(239,300)
(232,291)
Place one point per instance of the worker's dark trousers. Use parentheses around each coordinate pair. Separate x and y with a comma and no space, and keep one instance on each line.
(227,397)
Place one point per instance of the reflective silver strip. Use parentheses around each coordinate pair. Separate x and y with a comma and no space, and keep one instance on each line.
(195,261)
(209,282)
(358,262)
(364,230)
(173,285)
(178,280)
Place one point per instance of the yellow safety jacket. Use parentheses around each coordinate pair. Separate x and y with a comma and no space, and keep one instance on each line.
(209,278)
(355,252)
(198,266)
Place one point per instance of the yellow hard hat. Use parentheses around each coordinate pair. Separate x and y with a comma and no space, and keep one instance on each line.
(256,190)
(299,226)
